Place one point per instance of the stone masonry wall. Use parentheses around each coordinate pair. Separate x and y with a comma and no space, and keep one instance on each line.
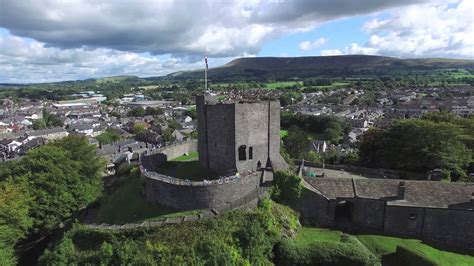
(451,227)
(369,213)
(182,195)
(251,130)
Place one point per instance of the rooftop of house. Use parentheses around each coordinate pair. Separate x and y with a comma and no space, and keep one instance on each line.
(46,131)
(430,194)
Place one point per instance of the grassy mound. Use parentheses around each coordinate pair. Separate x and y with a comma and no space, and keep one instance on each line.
(235,238)
(384,246)
(323,247)
(125,203)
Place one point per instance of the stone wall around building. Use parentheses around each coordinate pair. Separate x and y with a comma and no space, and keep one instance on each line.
(182,195)
(450,228)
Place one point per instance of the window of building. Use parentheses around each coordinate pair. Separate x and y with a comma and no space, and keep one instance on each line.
(412,216)
(242,153)
(250,153)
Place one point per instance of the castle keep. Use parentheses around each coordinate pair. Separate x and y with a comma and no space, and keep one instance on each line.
(238,136)
(238,140)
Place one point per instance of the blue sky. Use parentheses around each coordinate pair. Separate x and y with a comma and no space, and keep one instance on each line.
(53,40)
(338,33)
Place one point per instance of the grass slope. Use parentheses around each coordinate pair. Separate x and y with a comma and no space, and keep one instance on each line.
(125,204)
(384,245)
(186,167)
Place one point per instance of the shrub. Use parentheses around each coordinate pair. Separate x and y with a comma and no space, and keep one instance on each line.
(287,188)
(324,253)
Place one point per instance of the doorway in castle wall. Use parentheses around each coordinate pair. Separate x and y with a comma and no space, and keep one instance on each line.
(259,165)
(343,214)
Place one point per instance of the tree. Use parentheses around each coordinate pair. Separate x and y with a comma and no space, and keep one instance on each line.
(296,142)
(417,145)
(108,136)
(138,128)
(46,186)
(154,111)
(48,120)
(287,187)
(136,112)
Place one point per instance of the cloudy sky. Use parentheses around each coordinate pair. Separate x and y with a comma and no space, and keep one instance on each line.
(53,40)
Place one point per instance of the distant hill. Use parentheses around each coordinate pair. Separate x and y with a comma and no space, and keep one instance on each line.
(302,67)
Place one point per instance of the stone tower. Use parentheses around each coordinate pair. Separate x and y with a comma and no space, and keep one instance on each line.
(238,136)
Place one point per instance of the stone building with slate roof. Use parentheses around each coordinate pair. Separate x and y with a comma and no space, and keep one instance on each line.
(436,212)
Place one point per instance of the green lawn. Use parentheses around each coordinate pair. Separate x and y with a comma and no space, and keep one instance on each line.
(384,245)
(126,204)
(307,235)
(186,167)
(274,85)
(192,156)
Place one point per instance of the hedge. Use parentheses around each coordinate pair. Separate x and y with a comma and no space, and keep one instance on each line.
(349,252)
(410,257)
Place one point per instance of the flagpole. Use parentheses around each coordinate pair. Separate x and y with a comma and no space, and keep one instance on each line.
(205,74)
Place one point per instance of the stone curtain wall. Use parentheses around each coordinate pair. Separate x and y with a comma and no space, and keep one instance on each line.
(152,160)
(186,195)
(446,227)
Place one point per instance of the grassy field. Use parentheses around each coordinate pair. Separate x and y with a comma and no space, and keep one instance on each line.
(335,85)
(274,85)
(384,245)
(126,204)
(192,156)
(186,167)
(307,235)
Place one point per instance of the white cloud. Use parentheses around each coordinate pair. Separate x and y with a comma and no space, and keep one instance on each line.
(329,52)
(223,28)
(311,45)
(431,30)
(72,39)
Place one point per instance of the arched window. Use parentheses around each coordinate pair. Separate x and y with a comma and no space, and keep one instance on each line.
(242,153)
(250,153)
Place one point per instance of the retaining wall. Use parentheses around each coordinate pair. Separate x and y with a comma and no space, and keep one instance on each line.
(226,193)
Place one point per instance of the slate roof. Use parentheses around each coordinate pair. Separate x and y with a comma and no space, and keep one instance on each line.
(333,187)
(376,188)
(431,194)
(437,195)
(46,131)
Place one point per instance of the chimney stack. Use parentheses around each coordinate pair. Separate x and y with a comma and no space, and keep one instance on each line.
(401,190)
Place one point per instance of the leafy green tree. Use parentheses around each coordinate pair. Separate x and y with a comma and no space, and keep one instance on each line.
(138,128)
(191,112)
(108,136)
(136,112)
(46,186)
(296,142)
(153,111)
(287,187)
(48,120)
(417,145)
(14,206)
